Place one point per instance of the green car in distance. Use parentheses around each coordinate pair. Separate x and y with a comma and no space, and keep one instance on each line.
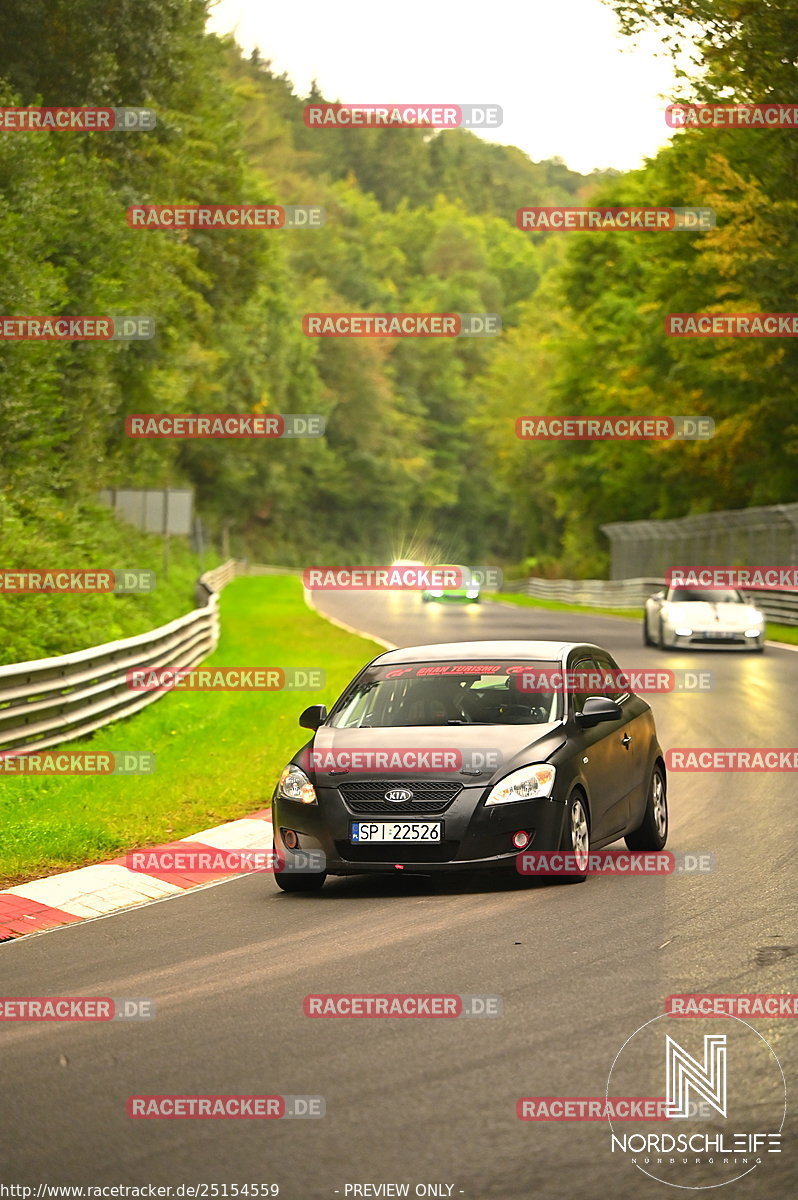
(468,591)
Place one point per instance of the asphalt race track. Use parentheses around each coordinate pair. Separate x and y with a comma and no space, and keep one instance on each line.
(578,969)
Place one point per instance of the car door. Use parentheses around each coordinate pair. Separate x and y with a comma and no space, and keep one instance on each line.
(603,754)
(653,608)
(633,737)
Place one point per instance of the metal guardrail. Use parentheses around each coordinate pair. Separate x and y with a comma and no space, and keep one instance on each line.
(781,607)
(612,593)
(52,700)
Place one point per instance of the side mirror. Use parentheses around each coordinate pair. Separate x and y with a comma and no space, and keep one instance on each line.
(314,716)
(658,596)
(598,709)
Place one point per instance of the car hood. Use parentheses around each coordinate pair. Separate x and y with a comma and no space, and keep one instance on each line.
(703,615)
(495,749)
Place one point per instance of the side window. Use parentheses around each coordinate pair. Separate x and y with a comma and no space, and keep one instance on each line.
(606,665)
(585,671)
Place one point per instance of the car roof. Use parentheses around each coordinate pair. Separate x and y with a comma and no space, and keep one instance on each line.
(475,651)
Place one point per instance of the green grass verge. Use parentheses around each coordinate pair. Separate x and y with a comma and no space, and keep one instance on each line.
(559,606)
(43,533)
(773,632)
(782,633)
(218,754)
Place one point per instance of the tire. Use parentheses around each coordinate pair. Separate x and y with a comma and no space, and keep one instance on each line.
(575,837)
(310,881)
(646,639)
(661,637)
(652,832)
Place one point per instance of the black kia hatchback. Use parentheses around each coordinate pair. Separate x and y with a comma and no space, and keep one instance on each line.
(463,755)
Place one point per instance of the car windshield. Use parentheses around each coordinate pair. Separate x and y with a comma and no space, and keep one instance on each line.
(450,693)
(708,595)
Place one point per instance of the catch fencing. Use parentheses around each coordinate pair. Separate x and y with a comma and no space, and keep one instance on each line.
(736,538)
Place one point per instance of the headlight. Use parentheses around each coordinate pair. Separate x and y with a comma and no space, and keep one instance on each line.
(434,593)
(472,593)
(528,783)
(754,632)
(295,785)
(683,631)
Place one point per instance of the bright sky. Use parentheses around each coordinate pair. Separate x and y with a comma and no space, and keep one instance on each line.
(569,84)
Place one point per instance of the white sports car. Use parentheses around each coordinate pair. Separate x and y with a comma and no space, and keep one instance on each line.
(685,616)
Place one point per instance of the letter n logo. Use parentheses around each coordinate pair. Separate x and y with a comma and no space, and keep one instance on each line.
(683,1073)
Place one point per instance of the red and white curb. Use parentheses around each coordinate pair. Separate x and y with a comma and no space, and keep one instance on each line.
(106,887)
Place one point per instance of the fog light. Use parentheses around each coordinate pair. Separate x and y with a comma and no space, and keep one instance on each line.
(521,839)
(291,838)
(683,632)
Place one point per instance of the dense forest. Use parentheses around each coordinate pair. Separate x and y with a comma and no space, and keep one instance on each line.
(420,454)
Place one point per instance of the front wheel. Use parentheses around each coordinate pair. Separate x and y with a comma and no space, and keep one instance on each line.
(299,881)
(652,832)
(646,639)
(576,840)
(310,881)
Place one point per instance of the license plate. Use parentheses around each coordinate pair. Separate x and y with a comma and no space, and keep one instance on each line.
(396,831)
(720,634)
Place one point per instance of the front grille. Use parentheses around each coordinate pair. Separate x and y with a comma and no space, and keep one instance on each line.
(713,639)
(368,795)
(401,852)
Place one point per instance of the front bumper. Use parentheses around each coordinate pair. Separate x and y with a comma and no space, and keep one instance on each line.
(474,837)
(461,596)
(715,638)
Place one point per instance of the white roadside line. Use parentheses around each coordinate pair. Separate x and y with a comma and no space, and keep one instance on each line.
(104,889)
(107,889)
(371,637)
(198,887)
(494,598)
